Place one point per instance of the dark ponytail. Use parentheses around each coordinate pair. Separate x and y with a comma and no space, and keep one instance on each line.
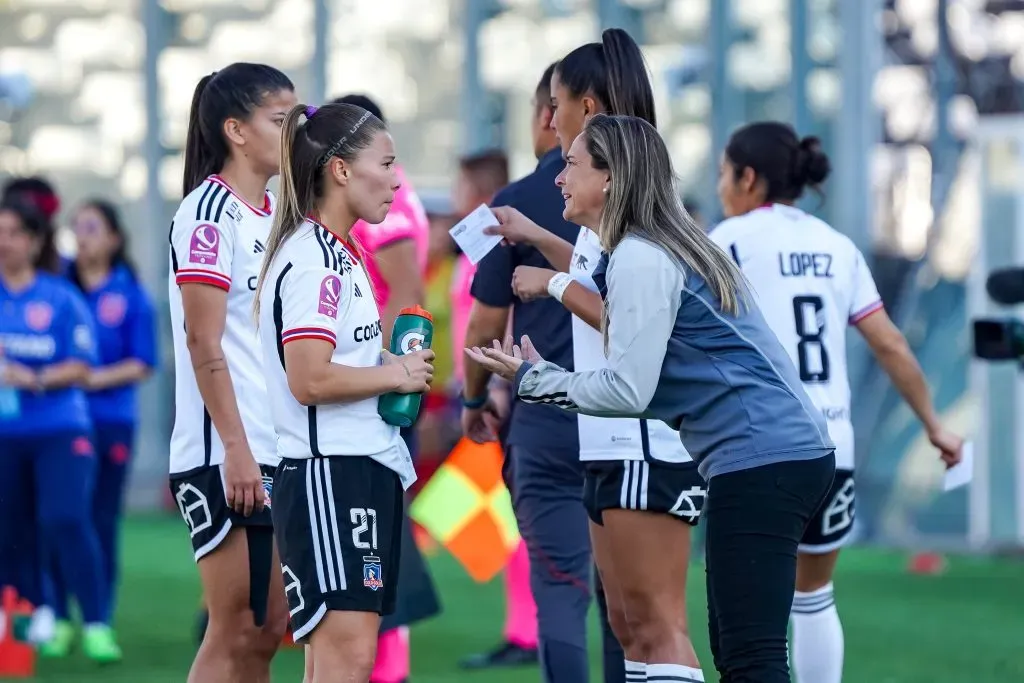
(614,72)
(784,162)
(35,223)
(234,92)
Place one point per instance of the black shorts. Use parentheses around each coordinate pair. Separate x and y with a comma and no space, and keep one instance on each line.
(832,525)
(204,507)
(338,525)
(642,485)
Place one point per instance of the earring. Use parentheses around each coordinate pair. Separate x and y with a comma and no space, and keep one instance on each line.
(605,190)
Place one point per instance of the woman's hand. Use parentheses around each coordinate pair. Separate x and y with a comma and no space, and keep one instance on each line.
(950,446)
(530,282)
(414,371)
(505,361)
(19,376)
(514,227)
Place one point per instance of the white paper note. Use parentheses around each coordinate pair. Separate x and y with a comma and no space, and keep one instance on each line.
(961,473)
(469,233)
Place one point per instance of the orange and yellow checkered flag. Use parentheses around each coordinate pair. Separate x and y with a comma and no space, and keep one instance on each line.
(467,509)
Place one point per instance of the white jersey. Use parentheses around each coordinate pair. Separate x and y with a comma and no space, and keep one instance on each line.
(810,282)
(218,239)
(611,438)
(316,288)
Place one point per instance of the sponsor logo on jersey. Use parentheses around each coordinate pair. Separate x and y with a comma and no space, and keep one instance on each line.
(40,346)
(346,261)
(358,292)
(205,245)
(330,296)
(258,248)
(411,341)
(38,316)
(582,261)
(372,573)
(367,332)
(111,309)
(235,211)
(82,338)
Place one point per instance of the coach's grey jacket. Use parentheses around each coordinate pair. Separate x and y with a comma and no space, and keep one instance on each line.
(723,381)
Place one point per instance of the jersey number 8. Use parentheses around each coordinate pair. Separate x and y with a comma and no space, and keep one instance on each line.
(810,328)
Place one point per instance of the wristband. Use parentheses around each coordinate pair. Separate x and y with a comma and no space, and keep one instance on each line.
(474,403)
(557,285)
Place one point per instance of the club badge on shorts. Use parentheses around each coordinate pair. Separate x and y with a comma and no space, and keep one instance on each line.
(268,486)
(372,573)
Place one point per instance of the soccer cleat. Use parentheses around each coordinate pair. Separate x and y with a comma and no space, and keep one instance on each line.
(505,655)
(59,644)
(99,642)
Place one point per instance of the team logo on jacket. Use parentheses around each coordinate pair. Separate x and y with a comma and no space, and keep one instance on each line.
(330,296)
(205,245)
(111,309)
(372,577)
(411,341)
(268,486)
(38,316)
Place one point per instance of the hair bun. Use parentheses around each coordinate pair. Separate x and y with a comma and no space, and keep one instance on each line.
(814,165)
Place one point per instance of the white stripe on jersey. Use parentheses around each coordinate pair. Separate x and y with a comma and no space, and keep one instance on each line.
(811,282)
(216,239)
(611,438)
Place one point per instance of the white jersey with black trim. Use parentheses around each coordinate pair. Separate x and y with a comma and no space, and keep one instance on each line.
(611,438)
(218,239)
(811,282)
(317,288)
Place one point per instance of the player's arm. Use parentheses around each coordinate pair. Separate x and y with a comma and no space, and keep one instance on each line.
(204,253)
(80,341)
(644,287)
(585,304)
(308,337)
(140,330)
(398,265)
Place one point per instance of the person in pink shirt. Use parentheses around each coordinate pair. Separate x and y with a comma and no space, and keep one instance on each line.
(396,262)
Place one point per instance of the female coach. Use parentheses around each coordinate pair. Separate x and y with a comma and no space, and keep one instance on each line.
(339,487)
(684,345)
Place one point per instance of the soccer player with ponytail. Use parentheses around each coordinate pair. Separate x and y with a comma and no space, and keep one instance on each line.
(339,487)
(223,448)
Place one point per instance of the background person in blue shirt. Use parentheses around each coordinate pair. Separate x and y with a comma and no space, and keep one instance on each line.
(45,448)
(123,318)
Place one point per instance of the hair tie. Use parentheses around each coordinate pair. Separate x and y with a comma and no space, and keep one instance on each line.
(310,111)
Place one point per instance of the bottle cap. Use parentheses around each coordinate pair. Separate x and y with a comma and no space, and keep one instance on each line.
(417,310)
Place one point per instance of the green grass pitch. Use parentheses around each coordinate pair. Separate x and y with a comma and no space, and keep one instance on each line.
(963,626)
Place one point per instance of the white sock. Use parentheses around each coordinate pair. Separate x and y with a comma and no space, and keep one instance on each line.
(42,627)
(636,672)
(673,673)
(817,637)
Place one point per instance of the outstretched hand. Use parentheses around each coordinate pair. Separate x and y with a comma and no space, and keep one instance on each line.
(505,360)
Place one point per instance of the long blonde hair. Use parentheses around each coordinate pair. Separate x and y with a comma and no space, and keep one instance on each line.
(642,200)
(334,130)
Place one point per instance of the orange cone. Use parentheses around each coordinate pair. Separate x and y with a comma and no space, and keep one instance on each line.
(17,659)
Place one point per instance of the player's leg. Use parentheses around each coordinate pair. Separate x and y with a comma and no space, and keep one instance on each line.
(641,534)
(613,656)
(227,653)
(65,470)
(547,499)
(18,529)
(113,452)
(818,642)
(754,521)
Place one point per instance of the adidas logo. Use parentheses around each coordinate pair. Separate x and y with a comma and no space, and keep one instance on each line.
(359,292)
(258,247)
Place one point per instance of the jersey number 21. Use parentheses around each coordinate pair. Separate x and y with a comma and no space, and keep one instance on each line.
(812,357)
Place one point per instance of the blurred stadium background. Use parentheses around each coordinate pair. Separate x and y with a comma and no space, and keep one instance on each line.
(920,103)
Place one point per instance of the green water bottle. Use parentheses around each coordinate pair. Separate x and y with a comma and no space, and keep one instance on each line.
(413,331)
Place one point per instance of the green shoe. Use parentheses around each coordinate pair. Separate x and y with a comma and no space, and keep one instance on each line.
(60,644)
(99,642)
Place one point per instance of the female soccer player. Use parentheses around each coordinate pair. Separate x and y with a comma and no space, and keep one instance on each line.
(223,448)
(396,261)
(640,482)
(339,487)
(684,345)
(815,283)
(47,346)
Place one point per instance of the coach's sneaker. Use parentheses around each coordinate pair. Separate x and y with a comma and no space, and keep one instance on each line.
(59,644)
(99,642)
